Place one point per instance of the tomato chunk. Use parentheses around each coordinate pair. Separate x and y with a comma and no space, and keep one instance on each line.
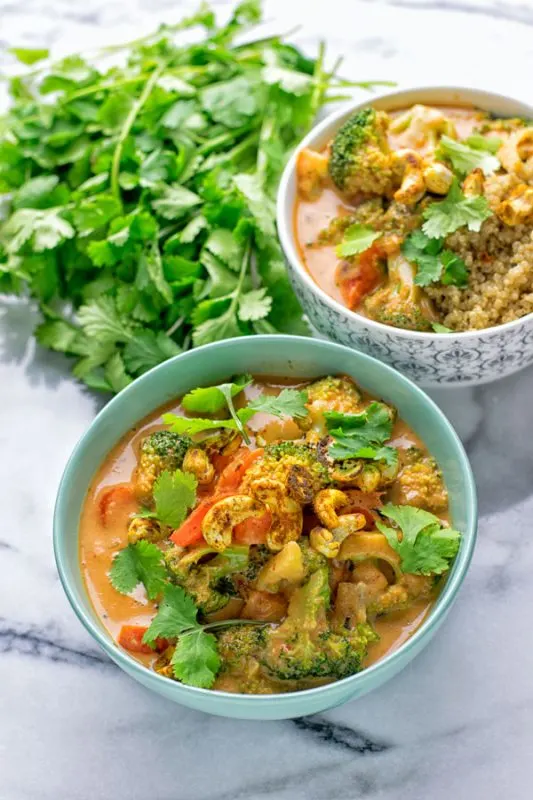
(253,530)
(131,638)
(231,477)
(191,530)
(113,501)
(361,277)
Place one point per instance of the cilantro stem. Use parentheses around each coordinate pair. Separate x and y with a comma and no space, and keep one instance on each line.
(265,135)
(127,126)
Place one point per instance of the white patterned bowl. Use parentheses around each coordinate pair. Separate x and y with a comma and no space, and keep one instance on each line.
(430,359)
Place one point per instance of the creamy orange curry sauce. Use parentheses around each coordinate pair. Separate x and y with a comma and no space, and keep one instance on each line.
(290,540)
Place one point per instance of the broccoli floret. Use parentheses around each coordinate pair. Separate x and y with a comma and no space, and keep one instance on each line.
(257,558)
(240,642)
(332,394)
(312,559)
(211,584)
(400,302)
(420,482)
(304,647)
(361,159)
(295,465)
(159,451)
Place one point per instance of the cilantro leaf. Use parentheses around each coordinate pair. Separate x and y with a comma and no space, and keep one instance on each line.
(210,399)
(176,613)
(426,547)
(454,269)
(489,143)
(288,403)
(174,494)
(464,158)
(438,328)
(454,212)
(100,320)
(28,55)
(147,350)
(175,202)
(192,426)
(254,305)
(141,562)
(195,660)
(357,238)
(352,433)
(433,263)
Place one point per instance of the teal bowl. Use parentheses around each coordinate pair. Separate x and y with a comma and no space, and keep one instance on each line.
(293,357)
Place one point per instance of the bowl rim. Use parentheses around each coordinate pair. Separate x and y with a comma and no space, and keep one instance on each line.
(135,668)
(284,212)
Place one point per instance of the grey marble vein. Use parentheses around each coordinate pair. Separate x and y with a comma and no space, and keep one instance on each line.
(458,722)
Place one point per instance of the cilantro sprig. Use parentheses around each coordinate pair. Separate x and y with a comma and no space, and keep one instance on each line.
(454,212)
(137,563)
(174,494)
(357,238)
(362,435)
(464,157)
(434,262)
(142,198)
(211,399)
(195,660)
(424,545)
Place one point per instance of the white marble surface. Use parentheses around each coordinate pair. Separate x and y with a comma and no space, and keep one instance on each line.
(459,721)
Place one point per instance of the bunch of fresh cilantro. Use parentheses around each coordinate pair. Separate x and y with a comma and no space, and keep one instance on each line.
(140,200)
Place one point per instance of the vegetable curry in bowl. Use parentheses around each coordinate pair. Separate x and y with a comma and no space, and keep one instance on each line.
(264,537)
(421,218)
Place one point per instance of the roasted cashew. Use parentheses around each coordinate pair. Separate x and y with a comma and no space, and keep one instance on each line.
(218,523)
(413,186)
(517,208)
(197,461)
(287,518)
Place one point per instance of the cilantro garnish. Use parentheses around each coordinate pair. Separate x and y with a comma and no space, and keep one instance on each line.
(141,562)
(489,143)
(438,328)
(454,212)
(174,494)
(192,426)
(210,399)
(357,238)
(425,546)
(362,435)
(433,262)
(195,660)
(288,403)
(140,203)
(465,158)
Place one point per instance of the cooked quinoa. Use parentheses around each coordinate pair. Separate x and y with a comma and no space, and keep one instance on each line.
(500,285)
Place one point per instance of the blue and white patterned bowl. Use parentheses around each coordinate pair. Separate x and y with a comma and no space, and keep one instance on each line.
(430,359)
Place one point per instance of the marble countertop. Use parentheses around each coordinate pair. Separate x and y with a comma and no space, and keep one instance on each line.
(458,722)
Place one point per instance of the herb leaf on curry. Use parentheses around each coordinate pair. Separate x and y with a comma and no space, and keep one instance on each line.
(426,546)
(454,212)
(141,562)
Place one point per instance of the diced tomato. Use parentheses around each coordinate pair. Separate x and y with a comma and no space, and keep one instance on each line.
(231,477)
(113,500)
(131,638)
(362,277)
(191,530)
(253,530)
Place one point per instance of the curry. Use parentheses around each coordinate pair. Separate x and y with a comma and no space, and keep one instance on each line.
(264,537)
(419,218)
